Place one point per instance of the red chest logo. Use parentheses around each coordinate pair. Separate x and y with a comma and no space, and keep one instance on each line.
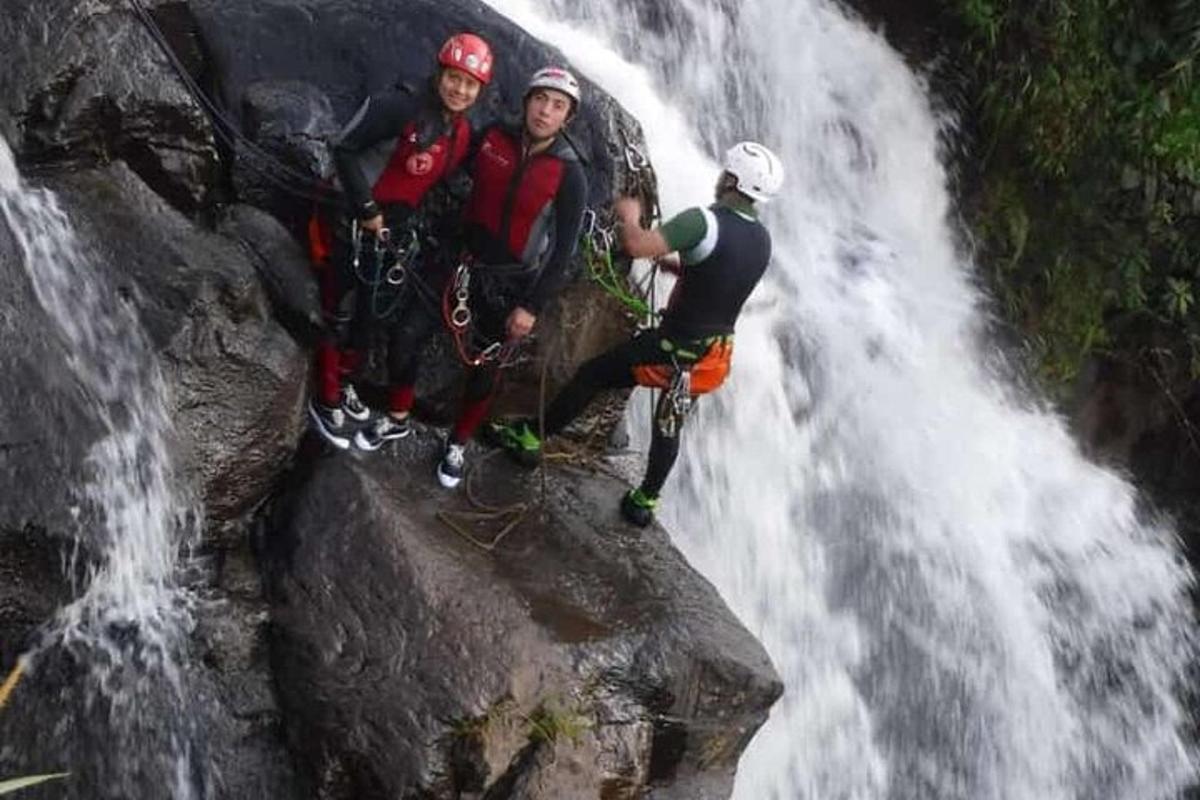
(419,164)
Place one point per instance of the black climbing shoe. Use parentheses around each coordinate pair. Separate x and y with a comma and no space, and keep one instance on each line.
(383,430)
(517,438)
(330,423)
(638,508)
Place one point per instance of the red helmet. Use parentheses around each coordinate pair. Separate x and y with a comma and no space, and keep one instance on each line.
(469,53)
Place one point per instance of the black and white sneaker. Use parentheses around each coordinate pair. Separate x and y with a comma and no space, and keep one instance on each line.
(384,429)
(330,423)
(450,470)
(352,405)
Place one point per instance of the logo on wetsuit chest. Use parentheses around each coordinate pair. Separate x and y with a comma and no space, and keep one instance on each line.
(422,163)
(493,153)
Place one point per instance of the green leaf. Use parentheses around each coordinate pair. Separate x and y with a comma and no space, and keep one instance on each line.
(1178,297)
(15,784)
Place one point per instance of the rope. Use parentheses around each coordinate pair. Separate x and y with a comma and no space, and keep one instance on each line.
(513,514)
(10,683)
(457,521)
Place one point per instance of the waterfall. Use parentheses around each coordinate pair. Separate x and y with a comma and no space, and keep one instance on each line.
(960,604)
(126,626)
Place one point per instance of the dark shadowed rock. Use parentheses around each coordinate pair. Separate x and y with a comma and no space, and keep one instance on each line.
(576,660)
(282,266)
(85,83)
(327,54)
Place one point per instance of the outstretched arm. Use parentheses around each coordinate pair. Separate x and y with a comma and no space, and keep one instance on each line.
(636,240)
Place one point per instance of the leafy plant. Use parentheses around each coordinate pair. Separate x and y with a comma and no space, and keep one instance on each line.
(1087,124)
(550,722)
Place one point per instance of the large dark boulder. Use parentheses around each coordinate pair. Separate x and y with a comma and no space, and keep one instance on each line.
(85,83)
(236,380)
(576,659)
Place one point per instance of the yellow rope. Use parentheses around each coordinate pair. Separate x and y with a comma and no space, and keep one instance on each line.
(11,681)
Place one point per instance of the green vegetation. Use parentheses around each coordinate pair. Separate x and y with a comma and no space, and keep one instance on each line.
(551,721)
(1088,196)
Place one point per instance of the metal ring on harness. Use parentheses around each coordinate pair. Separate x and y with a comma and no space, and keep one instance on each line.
(675,403)
(460,317)
(396,275)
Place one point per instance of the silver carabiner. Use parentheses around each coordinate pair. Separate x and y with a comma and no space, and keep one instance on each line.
(635,159)
(489,353)
(396,275)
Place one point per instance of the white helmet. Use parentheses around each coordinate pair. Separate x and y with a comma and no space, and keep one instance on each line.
(759,172)
(555,78)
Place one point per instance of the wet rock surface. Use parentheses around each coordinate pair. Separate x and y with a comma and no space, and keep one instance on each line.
(589,659)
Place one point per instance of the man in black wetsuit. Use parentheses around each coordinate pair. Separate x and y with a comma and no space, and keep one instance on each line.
(723,252)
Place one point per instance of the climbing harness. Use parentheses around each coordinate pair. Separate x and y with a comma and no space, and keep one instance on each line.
(391,264)
(456,313)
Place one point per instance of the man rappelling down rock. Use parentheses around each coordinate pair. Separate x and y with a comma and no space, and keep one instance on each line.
(723,251)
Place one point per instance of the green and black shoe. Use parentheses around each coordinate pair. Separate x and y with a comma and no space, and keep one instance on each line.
(517,438)
(638,507)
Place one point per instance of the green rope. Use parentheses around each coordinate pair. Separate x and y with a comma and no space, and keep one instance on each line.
(604,272)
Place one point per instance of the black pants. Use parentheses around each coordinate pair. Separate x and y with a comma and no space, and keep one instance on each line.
(614,370)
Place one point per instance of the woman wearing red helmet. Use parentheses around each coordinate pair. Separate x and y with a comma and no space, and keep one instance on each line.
(395,149)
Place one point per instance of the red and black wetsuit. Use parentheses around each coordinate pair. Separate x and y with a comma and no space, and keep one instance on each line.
(393,151)
(523,220)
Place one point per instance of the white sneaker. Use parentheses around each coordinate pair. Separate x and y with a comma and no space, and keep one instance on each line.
(450,470)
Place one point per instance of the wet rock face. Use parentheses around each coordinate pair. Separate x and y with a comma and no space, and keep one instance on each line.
(236,379)
(588,661)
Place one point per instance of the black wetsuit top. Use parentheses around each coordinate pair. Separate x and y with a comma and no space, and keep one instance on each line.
(719,273)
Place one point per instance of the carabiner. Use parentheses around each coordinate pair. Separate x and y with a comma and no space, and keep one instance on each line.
(635,159)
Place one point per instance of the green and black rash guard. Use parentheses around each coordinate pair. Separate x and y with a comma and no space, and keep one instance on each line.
(725,251)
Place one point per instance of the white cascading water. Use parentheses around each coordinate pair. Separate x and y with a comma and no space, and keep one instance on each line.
(959,603)
(126,624)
